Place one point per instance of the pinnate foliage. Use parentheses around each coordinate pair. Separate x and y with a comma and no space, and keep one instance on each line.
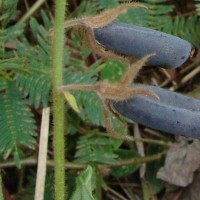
(17,124)
(98,149)
(25,81)
(197,6)
(160,15)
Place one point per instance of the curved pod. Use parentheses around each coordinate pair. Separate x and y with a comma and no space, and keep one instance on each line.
(135,41)
(174,113)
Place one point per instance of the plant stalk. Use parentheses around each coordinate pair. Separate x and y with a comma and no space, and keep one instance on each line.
(32,161)
(58,100)
(1,189)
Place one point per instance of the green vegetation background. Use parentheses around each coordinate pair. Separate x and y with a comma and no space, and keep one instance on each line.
(25,88)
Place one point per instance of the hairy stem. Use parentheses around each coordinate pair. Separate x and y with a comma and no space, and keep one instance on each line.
(58,100)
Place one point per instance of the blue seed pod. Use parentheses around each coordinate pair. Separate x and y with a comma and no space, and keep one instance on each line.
(135,41)
(174,113)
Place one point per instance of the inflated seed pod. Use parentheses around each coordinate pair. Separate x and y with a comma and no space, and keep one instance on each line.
(174,113)
(135,41)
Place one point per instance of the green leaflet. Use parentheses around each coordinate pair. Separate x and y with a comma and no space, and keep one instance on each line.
(155,16)
(71,101)
(1,189)
(125,170)
(36,85)
(2,84)
(84,186)
(35,80)
(113,71)
(158,17)
(7,9)
(95,148)
(11,33)
(156,185)
(188,29)
(198,7)
(17,125)
(109,4)
(88,103)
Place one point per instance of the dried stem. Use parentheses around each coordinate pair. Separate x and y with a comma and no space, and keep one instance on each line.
(32,10)
(42,159)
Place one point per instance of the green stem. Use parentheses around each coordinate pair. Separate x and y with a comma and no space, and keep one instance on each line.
(133,139)
(58,100)
(1,189)
(135,161)
(77,166)
(98,185)
(145,190)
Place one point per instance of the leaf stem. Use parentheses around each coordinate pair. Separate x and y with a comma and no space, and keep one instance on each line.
(134,139)
(135,161)
(1,189)
(58,100)
(77,166)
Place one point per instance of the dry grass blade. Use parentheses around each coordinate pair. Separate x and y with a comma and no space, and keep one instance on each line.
(42,160)
(116,193)
(140,149)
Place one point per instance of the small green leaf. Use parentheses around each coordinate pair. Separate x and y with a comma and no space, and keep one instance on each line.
(17,123)
(95,148)
(1,191)
(113,71)
(71,101)
(84,185)
(155,184)
(125,170)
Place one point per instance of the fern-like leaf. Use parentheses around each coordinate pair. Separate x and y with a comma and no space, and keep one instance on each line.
(198,7)
(11,33)
(35,80)
(88,103)
(7,9)
(188,29)
(94,148)
(17,125)
(155,16)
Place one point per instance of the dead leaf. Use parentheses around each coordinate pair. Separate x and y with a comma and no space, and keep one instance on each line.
(192,192)
(182,160)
